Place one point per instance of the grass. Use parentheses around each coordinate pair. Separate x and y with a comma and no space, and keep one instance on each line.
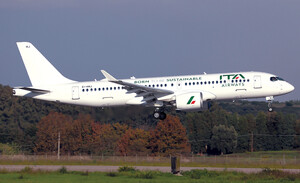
(193,176)
(272,159)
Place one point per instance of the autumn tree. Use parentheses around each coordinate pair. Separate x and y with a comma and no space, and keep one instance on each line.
(48,130)
(79,134)
(169,137)
(134,141)
(105,137)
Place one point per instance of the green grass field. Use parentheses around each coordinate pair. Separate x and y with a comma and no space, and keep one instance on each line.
(27,175)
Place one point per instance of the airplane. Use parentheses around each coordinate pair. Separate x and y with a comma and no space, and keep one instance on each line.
(185,93)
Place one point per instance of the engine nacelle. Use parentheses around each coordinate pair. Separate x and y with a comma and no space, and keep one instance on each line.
(189,101)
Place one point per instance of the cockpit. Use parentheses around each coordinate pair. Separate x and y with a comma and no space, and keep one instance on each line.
(276,79)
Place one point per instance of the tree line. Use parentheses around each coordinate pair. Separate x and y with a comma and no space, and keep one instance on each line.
(33,126)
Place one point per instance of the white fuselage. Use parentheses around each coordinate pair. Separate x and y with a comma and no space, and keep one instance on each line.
(221,86)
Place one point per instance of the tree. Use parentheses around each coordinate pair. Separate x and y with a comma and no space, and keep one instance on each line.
(297,136)
(224,139)
(105,137)
(79,135)
(261,132)
(199,133)
(169,137)
(134,141)
(48,130)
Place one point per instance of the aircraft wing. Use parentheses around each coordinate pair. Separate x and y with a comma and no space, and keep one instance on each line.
(148,93)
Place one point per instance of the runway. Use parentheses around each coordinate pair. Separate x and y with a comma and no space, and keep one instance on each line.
(91,168)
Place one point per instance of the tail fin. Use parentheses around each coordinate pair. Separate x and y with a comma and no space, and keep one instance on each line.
(41,72)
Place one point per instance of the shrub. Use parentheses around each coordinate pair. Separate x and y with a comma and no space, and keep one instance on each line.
(144,174)
(63,170)
(21,176)
(27,169)
(126,169)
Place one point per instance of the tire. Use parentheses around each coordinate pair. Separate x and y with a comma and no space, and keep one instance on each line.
(162,116)
(156,115)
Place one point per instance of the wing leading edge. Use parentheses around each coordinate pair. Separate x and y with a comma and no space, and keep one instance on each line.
(148,94)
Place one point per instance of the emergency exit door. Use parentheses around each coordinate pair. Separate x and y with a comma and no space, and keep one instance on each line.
(257,82)
(75,92)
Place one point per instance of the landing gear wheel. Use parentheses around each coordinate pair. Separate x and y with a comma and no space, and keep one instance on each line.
(162,116)
(270,109)
(156,115)
(270,100)
(159,115)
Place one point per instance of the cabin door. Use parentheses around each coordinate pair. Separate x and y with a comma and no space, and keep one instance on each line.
(75,93)
(257,82)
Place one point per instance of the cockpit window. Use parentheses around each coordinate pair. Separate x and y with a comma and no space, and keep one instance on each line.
(276,79)
(280,79)
(273,79)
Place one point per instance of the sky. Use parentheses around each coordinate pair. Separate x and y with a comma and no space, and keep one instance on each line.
(147,38)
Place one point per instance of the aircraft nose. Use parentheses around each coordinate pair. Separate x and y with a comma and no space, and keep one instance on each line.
(289,88)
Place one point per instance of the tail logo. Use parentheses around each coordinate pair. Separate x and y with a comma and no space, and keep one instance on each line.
(191,101)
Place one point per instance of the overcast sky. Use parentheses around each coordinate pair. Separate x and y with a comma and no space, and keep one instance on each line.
(153,38)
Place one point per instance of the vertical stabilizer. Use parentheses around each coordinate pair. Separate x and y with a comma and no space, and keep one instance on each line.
(40,71)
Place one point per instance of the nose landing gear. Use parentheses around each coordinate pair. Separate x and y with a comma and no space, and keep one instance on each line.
(270,100)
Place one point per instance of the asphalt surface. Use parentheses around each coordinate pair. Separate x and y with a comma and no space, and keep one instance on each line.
(91,168)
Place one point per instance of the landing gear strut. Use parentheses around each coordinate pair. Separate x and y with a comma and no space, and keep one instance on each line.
(159,114)
(270,100)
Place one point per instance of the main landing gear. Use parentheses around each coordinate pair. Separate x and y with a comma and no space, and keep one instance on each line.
(270,100)
(159,114)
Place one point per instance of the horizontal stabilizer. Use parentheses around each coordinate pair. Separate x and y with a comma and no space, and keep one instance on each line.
(35,90)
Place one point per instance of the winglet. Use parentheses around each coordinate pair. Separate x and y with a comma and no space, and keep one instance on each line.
(108,76)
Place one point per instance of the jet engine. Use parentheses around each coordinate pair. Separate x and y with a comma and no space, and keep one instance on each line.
(189,101)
